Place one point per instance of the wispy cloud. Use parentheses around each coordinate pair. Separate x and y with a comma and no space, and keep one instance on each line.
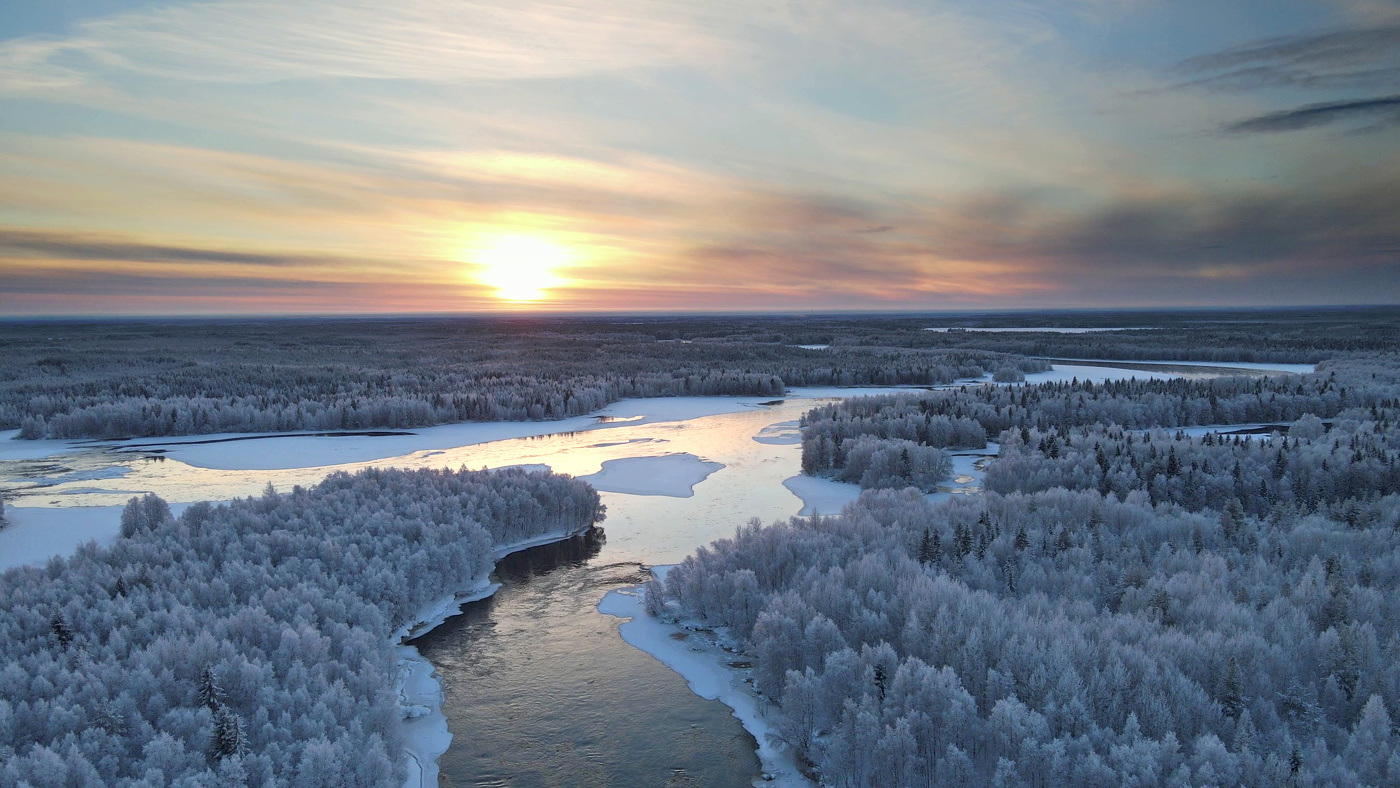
(1384,110)
(249,41)
(82,246)
(1365,57)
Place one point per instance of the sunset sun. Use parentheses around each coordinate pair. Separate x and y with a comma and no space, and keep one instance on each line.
(521,268)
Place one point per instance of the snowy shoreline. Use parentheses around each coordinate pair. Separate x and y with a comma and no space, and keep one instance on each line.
(707,671)
(420,692)
(252,451)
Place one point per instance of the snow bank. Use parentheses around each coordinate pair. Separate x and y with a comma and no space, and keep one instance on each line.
(674,475)
(426,736)
(705,668)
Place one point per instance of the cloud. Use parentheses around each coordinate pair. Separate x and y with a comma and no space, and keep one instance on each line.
(884,228)
(1386,107)
(1366,57)
(110,291)
(125,283)
(1322,241)
(65,246)
(258,41)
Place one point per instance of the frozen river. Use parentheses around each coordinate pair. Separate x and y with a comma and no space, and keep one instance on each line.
(539,687)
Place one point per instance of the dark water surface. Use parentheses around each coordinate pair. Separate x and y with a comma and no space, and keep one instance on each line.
(541,689)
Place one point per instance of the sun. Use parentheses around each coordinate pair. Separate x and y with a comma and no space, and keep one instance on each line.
(522,268)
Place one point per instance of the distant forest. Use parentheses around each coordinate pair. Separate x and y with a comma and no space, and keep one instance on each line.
(1126,605)
(132,378)
(251,643)
(126,380)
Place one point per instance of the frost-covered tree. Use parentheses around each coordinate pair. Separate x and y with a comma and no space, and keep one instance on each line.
(250,643)
(1127,604)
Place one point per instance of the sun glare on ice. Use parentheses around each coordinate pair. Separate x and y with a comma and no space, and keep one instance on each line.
(521,268)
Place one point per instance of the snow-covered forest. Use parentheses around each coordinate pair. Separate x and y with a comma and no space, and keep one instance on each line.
(251,642)
(131,379)
(966,416)
(1126,605)
(1295,335)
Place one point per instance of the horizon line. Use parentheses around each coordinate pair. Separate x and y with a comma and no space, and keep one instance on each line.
(516,314)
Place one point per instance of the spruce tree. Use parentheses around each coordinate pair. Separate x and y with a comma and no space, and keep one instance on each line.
(228,740)
(926,548)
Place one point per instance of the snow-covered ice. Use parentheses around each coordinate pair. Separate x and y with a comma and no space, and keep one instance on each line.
(784,433)
(1065,372)
(1261,366)
(31,535)
(672,474)
(286,451)
(821,496)
(1019,330)
(705,668)
(12,448)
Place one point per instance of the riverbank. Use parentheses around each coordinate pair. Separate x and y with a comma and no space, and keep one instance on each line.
(711,673)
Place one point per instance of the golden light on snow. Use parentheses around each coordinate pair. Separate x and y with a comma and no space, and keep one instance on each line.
(521,268)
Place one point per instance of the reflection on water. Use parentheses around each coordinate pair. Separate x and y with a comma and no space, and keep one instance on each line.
(542,691)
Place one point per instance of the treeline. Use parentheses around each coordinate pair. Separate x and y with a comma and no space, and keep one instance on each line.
(1265,335)
(250,643)
(966,416)
(1288,336)
(1307,467)
(127,380)
(1066,638)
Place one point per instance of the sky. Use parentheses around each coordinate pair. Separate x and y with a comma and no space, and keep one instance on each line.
(357,156)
